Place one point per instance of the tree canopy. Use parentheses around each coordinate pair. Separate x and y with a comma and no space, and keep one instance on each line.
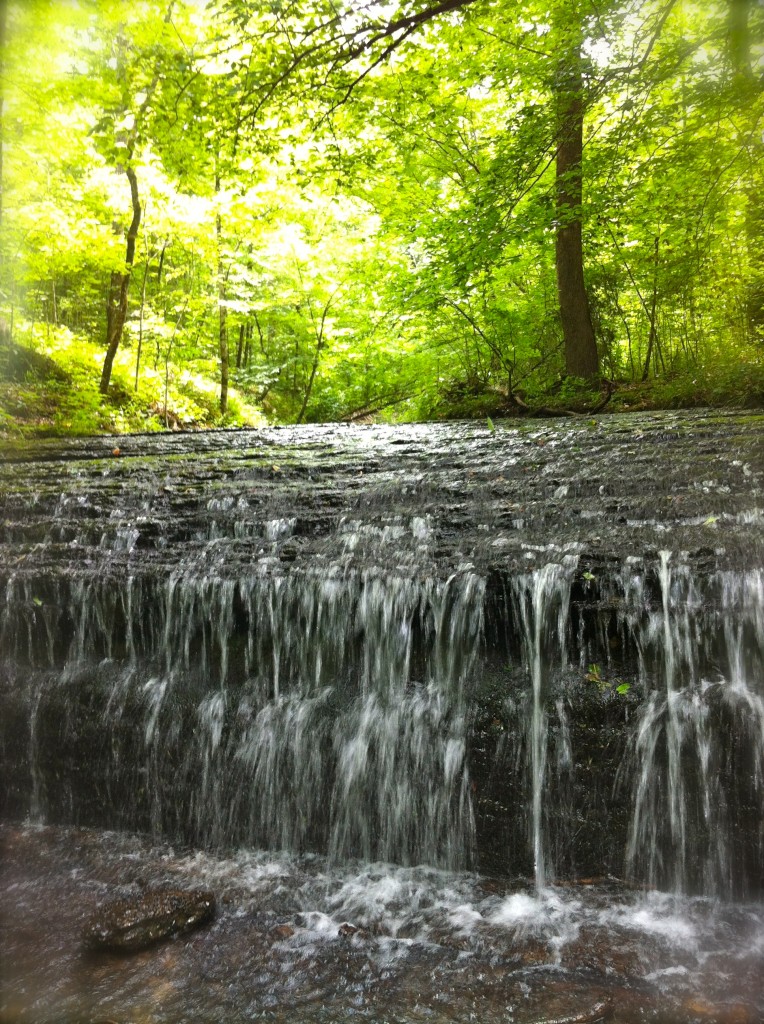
(228,210)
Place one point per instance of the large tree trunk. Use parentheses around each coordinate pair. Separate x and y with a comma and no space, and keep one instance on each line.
(739,39)
(116,307)
(578,332)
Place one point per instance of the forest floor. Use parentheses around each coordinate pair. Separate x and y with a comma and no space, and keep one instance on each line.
(42,396)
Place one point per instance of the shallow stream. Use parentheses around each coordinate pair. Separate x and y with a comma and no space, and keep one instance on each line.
(430,945)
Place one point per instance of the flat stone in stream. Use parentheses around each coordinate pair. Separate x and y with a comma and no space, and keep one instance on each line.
(130,925)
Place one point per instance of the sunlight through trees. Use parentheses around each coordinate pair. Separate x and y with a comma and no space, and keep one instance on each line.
(215,212)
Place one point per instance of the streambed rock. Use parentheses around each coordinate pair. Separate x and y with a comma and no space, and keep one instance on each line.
(130,925)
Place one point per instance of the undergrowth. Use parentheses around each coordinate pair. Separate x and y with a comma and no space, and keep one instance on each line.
(49,386)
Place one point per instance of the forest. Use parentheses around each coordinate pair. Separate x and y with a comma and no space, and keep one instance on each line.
(233,212)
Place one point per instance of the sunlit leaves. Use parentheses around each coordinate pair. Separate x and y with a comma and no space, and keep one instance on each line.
(382,216)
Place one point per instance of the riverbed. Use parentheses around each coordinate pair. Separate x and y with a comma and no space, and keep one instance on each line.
(299,939)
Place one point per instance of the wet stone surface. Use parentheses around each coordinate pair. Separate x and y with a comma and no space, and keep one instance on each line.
(128,925)
(615,485)
(430,945)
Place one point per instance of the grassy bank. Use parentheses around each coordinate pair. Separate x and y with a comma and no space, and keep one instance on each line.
(49,387)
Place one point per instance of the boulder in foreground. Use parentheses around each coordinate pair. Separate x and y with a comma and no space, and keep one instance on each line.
(132,924)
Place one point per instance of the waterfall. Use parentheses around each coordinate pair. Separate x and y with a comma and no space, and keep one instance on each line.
(543,598)
(329,711)
(417,661)
(697,752)
(329,736)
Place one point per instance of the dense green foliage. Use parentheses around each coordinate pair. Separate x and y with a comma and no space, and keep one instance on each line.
(261,208)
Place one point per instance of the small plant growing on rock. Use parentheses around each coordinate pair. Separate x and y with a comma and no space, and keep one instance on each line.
(594,675)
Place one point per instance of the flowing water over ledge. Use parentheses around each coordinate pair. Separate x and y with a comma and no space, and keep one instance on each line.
(533,652)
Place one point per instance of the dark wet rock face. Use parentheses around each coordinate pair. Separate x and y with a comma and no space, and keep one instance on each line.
(129,925)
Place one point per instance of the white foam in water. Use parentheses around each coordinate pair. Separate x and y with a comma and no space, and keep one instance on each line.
(668,972)
(423,905)
(465,919)
(321,925)
(547,915)
(394,899)
(520,908)
(660,915)
(675,929)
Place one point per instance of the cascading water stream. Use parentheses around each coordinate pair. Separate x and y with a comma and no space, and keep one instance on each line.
(405,654)
(547,589)
(693,739)
(676,808)
(330,741)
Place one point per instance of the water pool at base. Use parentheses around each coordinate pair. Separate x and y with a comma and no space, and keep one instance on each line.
(297,939)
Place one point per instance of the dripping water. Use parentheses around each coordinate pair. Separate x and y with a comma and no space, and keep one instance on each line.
(543,598)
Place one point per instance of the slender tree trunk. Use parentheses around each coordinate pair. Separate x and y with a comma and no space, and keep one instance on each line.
(578,333)
(224,361)
(168,353)
(320,332)
(116,310)
(222,281)
(240,346)
(161,262)
(311,379)
(142,310)
(261,339)
(652,338)
(250,335)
